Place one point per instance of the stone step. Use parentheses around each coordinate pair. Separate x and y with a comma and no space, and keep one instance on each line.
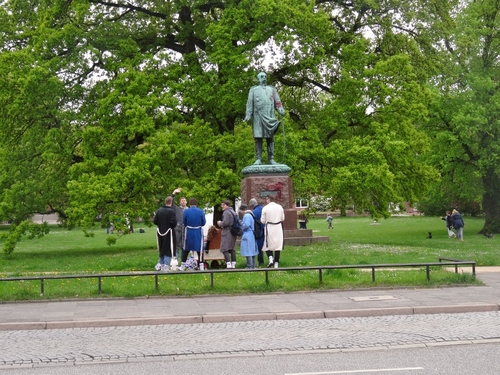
(303,241)
(298,233)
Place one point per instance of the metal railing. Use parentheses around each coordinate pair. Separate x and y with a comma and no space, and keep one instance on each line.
(373,267)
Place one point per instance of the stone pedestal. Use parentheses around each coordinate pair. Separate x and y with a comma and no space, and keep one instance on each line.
(264,180)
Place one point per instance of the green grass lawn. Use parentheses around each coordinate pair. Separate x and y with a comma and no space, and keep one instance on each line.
(353,240)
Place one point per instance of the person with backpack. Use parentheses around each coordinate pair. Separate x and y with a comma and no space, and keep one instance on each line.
(228,239)
(257,212)
(248,245)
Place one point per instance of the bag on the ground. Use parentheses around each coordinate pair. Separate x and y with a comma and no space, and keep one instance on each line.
(236,227)
(258,228)
(191,263)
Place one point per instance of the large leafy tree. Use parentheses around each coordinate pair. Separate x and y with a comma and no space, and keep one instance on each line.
(106,106)
(465,113)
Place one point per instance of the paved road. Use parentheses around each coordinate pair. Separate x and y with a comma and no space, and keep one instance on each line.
(34,348)
(101,331)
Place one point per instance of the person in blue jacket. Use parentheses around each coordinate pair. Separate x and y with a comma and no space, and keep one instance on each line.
(193,220)
(458,224)
(248,245)
(257,212)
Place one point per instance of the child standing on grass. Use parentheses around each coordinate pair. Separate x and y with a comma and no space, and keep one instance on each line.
(449,224)
(329,220)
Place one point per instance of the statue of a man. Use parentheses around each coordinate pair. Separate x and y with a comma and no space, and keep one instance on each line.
(263,101)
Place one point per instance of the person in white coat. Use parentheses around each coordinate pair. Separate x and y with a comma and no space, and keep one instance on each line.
(273,216)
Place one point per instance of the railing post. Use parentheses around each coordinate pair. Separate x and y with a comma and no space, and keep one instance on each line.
(212,279)
(373,274)
(267,277)
(428,272)
(320,275)
(99,282)
(42,287)
(156,281)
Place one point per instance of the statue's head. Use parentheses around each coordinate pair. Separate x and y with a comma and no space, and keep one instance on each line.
(261,77)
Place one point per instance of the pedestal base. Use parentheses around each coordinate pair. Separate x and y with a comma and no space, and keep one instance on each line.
(260,185)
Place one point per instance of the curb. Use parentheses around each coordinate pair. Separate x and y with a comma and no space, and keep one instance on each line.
(215,318)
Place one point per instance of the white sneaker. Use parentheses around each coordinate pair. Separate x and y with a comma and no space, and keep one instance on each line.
(158,266)
(165,268)
(174,263)
(275,264)
(271,262)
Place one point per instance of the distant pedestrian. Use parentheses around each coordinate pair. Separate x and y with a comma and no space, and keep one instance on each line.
(458,224)
(329,220)
(166,222)
(273,216)
(449,224)
(302,220)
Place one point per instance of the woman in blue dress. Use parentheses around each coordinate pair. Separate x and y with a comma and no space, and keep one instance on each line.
(248,245)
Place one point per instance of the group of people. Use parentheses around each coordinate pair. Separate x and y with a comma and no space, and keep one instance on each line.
(253,247)
(454,224)
(180,231)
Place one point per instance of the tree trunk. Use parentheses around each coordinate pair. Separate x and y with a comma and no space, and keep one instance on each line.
(491,202)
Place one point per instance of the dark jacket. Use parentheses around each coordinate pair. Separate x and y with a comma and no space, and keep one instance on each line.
(457,220)
(228,241)
(449,221)
(165,219)
(166,222)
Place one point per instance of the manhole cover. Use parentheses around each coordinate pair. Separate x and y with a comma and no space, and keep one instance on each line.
(373,298)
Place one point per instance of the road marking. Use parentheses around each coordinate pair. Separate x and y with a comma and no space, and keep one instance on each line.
(358,371)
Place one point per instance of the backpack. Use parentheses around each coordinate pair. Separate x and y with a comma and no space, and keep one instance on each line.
(235,229)
(258,228)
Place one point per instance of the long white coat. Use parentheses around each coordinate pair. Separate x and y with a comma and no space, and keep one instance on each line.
(273,216)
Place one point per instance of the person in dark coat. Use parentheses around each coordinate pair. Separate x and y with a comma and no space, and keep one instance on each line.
(458,224)
(166,222)
(228,240)
(179,230)
(257,212)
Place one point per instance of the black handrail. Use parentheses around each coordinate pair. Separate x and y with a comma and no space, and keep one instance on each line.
(320,269)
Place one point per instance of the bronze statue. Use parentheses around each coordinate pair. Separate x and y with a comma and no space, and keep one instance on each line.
(263,101)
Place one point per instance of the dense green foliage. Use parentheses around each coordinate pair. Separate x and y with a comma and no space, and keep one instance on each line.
(107,106)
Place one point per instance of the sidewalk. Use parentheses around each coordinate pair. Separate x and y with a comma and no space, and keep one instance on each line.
(215,309)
